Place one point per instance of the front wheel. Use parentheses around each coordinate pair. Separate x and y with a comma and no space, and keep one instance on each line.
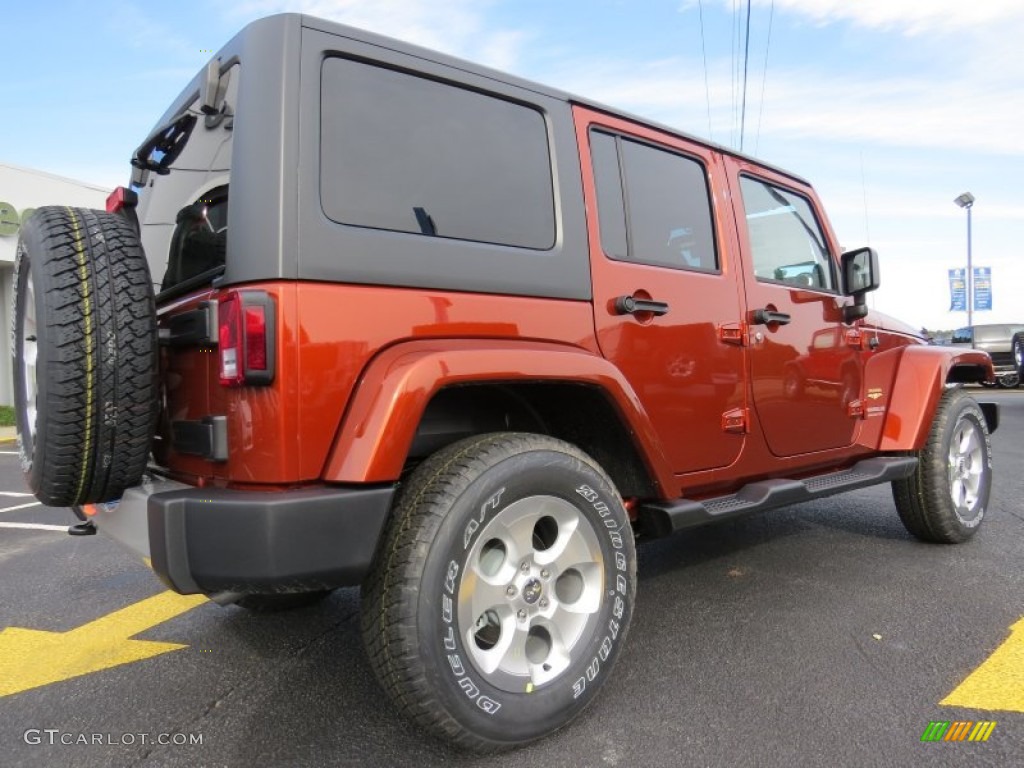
(944,501)
(502,590)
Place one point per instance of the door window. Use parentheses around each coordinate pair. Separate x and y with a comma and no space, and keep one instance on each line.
(654,205)
(786,242)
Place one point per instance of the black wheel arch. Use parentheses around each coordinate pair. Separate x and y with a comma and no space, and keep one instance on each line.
(579,414)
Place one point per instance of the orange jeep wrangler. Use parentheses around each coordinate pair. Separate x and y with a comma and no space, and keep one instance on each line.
(370,315)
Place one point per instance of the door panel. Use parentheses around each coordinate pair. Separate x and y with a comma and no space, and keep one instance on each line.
(804,373)
(649,200)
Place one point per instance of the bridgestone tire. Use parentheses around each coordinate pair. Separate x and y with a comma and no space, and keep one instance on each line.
(277,603)
(85,356)
(531,525)
(944,501)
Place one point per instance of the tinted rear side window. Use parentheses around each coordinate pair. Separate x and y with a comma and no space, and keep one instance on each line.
(611,208)
(409,154)
(660,197)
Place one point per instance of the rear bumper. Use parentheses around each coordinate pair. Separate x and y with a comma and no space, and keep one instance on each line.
(208,540)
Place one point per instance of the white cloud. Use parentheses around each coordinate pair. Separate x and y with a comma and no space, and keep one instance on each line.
(457,27)
(912,17)
(913,112)
(917,112)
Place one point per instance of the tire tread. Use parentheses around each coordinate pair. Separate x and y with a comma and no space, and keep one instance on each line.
(96,423)
(390,592)
(922,499)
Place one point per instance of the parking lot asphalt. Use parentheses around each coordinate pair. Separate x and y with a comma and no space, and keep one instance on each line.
(820,634)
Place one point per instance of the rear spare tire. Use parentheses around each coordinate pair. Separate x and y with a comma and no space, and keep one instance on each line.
(85,355)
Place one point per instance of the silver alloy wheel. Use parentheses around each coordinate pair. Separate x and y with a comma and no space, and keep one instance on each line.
(530,593)
(966,468)
(29,354)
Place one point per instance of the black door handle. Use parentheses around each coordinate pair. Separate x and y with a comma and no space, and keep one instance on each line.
(770,317)
(627,305)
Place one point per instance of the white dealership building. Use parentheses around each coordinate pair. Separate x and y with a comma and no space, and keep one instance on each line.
(21,191)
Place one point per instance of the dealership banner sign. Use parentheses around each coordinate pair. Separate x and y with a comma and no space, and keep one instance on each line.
(981,285)
(958,290)
(982,288)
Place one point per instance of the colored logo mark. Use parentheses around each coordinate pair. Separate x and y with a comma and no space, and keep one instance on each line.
(958,730)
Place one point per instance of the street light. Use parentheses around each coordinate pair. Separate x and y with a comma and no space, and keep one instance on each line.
(966,200)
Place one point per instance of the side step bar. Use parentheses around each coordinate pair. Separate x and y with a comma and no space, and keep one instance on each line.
(664,517)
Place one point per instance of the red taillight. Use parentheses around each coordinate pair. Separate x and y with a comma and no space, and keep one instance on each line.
(229,337)
(121,198)
(245,334)
(255,339)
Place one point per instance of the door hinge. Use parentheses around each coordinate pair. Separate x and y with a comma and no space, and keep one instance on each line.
(736,421)
(733,333)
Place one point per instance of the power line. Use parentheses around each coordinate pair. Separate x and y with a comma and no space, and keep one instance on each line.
(704,54)
(746,62)
(764,76)
(734,66)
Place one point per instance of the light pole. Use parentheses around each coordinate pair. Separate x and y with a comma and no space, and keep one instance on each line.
(966,200)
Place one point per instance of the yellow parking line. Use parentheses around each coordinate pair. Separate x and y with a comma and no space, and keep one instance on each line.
(32,658)
(998,684)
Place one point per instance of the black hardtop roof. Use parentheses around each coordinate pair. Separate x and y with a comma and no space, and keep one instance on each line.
(354,33)
(232,50)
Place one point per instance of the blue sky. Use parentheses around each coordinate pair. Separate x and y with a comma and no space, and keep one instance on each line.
(890,107)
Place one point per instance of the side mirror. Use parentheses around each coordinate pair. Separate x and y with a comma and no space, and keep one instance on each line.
(860,275)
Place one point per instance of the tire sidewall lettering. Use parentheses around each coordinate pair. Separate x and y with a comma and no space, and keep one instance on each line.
(495,710)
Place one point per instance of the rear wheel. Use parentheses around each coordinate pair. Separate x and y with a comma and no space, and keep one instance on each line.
(944,501)
(502,591)
(85,355)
